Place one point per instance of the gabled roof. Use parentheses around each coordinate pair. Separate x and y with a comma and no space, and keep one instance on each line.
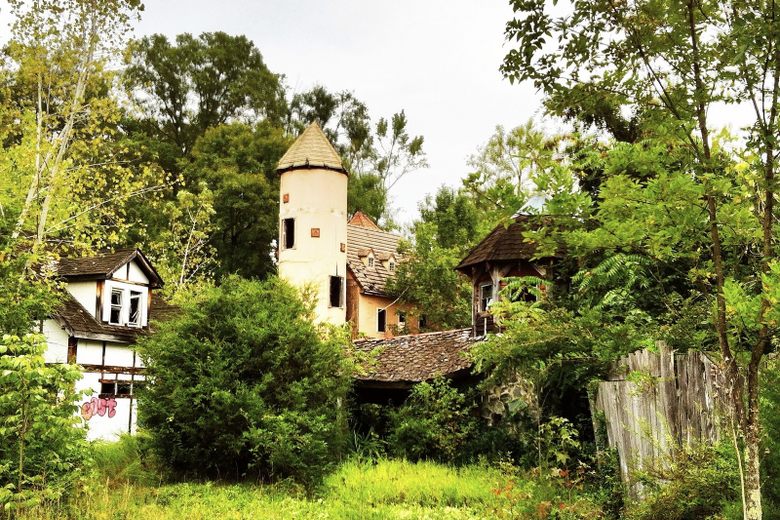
(362,240)
(506,243)
(363,220)
(312,149)
(417,357)
(103,266)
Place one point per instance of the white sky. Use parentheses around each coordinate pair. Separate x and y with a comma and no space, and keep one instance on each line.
(436,59)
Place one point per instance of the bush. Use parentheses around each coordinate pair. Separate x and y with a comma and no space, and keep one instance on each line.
(698,484)
(43,451)
(435,422)
(243,384)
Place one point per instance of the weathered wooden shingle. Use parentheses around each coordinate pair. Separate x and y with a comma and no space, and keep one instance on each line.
(312,149)
(506,243)
(417,357)
(104,265)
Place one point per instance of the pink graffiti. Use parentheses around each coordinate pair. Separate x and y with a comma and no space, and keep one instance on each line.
(98,406)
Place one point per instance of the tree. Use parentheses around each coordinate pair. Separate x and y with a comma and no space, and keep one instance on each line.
(43,453)
(244,384)
(672,62)
(59,45)
(426,278)
(376,159)
(238,164)
(180,90)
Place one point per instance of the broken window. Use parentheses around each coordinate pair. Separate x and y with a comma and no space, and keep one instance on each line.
(423,322)
(485,296)
(115,316)
(381,320)
(135,308)
(336,291)
(108,388)
(288,233)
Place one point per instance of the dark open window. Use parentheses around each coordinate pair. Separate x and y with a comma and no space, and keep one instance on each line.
(336,291)
(135,308)
(115,317)
(401,319)
(423,321)
(288,233)
(381,320)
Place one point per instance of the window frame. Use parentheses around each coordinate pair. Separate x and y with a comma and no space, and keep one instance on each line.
(110,286)
(485,303)
(118,307)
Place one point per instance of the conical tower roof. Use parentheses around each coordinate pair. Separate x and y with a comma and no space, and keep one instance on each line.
(311,150)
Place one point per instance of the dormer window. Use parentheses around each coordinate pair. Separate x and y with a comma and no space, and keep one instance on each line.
(126,304)
(115,316)
(370,261)
(391,266)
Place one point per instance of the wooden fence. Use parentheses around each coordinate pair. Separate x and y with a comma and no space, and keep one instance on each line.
(653,404)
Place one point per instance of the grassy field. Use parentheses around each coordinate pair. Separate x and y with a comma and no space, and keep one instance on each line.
(356,490)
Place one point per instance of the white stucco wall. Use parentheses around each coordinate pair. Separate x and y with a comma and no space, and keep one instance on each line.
(317,199)
(85,293)
(56,342)
(131,272)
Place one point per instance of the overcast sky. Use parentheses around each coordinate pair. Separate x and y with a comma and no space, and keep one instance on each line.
(436,59)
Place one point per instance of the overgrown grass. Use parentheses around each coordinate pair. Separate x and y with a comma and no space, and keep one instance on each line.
(126,488)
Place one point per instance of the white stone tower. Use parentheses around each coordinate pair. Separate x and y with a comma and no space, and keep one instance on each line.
(313,222)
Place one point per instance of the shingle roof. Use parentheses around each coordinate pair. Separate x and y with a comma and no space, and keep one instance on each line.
(360,240)
(104,265)
(417,357)
(80,322)
(505,243)
(311,150)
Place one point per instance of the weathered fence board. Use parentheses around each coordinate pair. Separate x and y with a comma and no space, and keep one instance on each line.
(655,403)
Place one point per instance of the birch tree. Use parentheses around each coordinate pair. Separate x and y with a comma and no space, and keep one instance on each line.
(61,43)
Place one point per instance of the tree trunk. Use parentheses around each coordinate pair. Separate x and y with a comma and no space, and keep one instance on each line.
(752,489)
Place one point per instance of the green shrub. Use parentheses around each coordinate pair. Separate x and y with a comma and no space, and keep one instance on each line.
(243,384)
(698,484)
(43,451)
(126,461)
(436,422)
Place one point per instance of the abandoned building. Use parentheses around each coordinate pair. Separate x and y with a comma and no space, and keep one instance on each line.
(347,262)
(107,303)
(344,261)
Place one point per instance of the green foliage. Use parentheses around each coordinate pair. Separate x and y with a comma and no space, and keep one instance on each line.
(245,385)
(127,461)
(447,228)
(435,423)
(43,451)
(696,485)
(237,162)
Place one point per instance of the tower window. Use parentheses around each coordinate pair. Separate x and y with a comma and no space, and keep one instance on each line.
(288,233)
(381,320)
(336,291)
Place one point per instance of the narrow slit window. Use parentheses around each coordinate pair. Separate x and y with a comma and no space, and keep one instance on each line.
(336,291)
(115,317)
(288,233)
(381,320)
(135,308)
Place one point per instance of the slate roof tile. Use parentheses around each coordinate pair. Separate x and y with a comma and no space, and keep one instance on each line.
(361,240)
(417,357)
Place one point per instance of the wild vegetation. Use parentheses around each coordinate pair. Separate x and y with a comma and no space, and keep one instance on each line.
(663,227)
